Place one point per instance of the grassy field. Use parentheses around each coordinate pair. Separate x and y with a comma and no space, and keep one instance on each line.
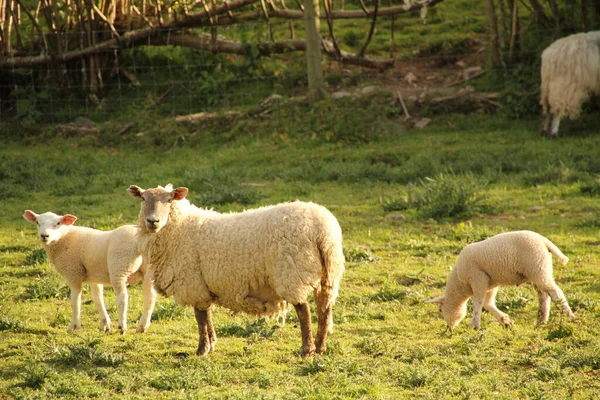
(407,201)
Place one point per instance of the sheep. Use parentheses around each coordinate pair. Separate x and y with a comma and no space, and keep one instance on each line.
(257,261)
(570,74)
(510,258)
(86,255)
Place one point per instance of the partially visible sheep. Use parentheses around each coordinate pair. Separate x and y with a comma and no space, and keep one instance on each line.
(507,259)
(85,255)
(570,74)
(256,261)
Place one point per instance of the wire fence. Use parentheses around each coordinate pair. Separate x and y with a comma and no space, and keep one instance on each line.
(178,80)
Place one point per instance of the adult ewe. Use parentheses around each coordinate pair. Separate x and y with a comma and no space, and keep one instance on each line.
(255,261)
(86,255)
(570,74)
(510,258)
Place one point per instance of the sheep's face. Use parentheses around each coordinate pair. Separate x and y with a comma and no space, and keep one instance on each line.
(156,205)
(50,226)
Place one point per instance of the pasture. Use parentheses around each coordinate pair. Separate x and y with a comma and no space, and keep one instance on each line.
(407,200)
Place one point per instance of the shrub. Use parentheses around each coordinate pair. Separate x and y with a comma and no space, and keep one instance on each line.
(219,188)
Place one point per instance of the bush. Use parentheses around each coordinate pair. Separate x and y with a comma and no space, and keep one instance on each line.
(219,188)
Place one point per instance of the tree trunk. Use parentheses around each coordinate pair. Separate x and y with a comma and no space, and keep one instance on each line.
(494,40)
(313,51)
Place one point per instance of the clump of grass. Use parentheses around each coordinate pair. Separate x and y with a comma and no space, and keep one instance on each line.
(560,332)
(47,287)
(413,377)
(445,196)
(86,354)
(591,189)
(314,365)
(36,257)
(389,292)
(169,311)
(178,381)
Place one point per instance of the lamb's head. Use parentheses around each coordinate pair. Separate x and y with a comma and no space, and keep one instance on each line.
(51,227)
(450,313)
(156,205)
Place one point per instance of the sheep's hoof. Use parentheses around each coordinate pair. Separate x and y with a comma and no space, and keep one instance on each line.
(507,322)
(73,327)
(141,329)
(308,351)
(202,351)
(122,331)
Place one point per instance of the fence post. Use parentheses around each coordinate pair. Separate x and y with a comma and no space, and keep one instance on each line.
(313,51)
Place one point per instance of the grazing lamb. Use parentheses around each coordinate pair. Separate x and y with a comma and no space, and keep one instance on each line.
(511,258)
(255,261)
(86,255)
(570,74)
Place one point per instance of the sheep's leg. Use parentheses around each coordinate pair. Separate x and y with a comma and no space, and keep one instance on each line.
(325,319)
(212,335)
(545,124)
(98,298)
(479,285)
(489,303)
(202,318)
(477,306)
(555,125)
(303,311)
(544,310)
(149,302)
(122,302)
(75,307)
(558,297)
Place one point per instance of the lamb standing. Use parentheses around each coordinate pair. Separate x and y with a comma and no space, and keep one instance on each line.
(510,258)
(86,255)
(255,261)
(570,74)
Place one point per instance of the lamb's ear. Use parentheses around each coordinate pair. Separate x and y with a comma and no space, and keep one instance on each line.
(180,193)
(135,191)
(68,219)
(30,216)
(437,300)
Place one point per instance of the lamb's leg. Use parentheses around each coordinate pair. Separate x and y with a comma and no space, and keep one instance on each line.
(303,311)
(558,297)
(479,285)
(75,307)
(149,302)
(202,318)
(489,303)
(555,125)
(120,287)
(544,310)
(98,298)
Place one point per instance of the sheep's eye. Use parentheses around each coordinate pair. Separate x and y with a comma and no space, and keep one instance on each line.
(170,200)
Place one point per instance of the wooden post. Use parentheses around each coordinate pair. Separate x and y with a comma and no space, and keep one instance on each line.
(313,51)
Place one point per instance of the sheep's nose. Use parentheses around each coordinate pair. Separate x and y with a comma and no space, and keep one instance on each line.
(152,221)
(44,237)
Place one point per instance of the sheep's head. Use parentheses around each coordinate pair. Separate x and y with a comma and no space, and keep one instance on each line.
(50,226)
(156,204)
(450,313)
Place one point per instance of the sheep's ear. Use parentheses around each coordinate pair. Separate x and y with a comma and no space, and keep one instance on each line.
(437,300)
(180,193)
(30,216)
(135,191)
(68,219)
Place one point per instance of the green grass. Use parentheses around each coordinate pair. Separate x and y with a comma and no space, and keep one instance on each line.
(387,343)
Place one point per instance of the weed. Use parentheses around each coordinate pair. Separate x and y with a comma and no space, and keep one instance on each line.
(389,292)
(560,332)
(12,324)
(314,365)
(445,196)
(47,287)
(258,328)
(358,254)
(35,377)
(85,354)
(36,257)
(413,377)
(168,311)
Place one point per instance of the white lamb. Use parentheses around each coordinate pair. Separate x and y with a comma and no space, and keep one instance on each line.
(511,258)
(255,261)
(86,255)
(570,74)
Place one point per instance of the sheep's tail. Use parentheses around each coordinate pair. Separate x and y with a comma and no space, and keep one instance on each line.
(556,251)
(332,264)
